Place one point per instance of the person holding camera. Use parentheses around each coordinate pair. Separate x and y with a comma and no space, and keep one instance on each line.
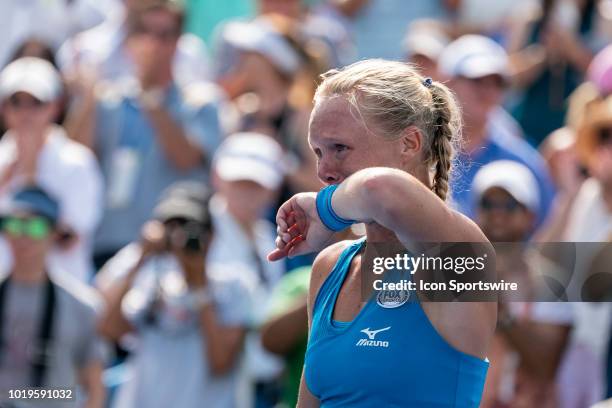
(48,319)
(190,316)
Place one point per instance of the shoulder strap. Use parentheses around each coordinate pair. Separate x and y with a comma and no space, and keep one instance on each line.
(40,362)
(3,285)
(332,284)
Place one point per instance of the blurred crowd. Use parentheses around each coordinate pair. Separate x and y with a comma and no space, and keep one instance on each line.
(146,145)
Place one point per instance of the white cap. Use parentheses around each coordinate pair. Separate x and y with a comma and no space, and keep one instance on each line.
(425,39)
(259,37)
(251,156)
(473,56)
(34,76)
(511,176)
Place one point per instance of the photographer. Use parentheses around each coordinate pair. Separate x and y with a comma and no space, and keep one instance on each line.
(190,317)
(47,318)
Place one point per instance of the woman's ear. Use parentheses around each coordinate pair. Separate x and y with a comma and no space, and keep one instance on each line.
(411,143)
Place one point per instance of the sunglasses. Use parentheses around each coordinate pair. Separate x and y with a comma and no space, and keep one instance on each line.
(509,206)
(17,102)
(491,80)
(605,136)
(33,227)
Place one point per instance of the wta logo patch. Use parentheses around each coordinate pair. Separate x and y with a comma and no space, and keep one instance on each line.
(371,340)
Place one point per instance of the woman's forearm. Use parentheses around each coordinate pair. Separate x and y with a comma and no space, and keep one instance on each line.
(398,201)
(282,333)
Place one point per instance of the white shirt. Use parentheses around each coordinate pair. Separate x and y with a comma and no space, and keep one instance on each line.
(101,48)
(590,221)
(231,244)
(52,21)
(70,173)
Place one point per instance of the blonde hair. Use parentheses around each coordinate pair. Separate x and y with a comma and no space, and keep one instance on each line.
(393,96)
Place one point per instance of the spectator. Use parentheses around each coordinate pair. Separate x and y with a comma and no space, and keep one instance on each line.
(34,150)
(55,21)
(191,315)
(550,57)
(40,49)
(590,216)
(363,19)
(423,44)
(591,219)
(559,148)
(272,85)
(314,27)
(478,70)
(37,48)
(45,311)
(248,173)
(147,131)
(494,19)
(567,172)
(286,331)
(506,196)
(101,51)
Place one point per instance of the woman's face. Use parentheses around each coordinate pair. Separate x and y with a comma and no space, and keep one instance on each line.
(343,144)
(478,96)
(601,165)
(246,200)
(254,73)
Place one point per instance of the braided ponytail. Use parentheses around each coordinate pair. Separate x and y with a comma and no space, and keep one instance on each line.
(446,126)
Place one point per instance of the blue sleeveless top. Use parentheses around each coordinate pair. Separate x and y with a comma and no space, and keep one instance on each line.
(385,357)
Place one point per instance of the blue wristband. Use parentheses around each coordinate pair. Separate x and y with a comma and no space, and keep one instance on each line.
(326,213)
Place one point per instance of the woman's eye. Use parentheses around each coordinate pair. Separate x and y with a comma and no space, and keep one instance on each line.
(340,147)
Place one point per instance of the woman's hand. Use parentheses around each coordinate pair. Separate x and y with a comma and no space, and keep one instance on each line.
(153,238)
(299,228)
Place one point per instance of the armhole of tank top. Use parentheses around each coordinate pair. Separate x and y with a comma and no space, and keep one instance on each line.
(444,342)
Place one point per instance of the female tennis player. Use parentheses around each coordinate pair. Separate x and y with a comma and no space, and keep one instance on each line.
(384,137)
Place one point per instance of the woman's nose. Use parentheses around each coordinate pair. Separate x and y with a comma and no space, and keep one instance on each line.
(328,174)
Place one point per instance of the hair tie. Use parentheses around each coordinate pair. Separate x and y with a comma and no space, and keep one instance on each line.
(428,82)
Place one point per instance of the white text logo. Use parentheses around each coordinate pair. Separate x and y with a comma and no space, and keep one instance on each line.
(370,341)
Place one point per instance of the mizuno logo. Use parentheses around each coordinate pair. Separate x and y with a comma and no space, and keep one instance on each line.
(372,333)
(370,342)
